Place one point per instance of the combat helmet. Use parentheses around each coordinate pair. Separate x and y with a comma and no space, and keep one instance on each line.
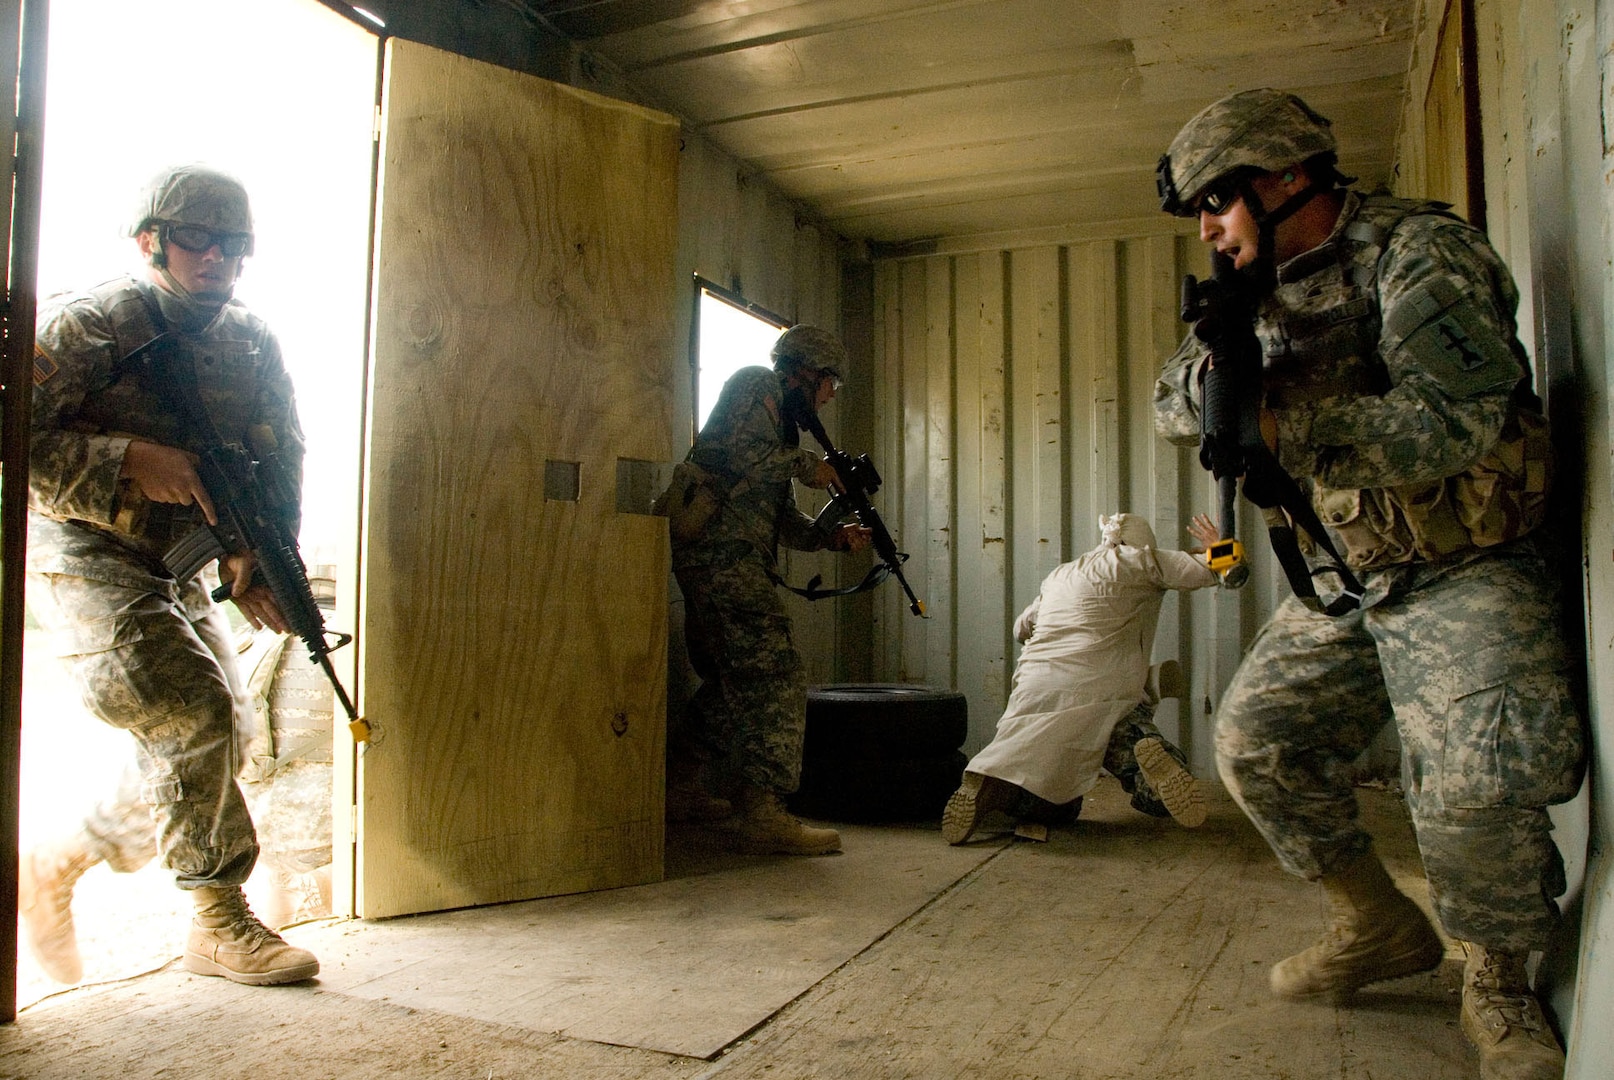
(1261,129)
(195,195)
(809,347)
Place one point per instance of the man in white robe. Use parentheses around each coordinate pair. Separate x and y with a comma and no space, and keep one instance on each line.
(1081,682)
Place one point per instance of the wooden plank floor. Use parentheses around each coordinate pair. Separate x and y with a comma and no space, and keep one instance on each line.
(1121,948)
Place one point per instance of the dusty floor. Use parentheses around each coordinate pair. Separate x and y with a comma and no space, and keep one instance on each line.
(1121,948)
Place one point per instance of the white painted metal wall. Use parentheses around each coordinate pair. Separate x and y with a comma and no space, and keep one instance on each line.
(1014,406)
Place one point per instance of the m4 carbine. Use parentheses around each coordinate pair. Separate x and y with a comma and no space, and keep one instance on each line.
(856,481)
(252,499)
(1232,445)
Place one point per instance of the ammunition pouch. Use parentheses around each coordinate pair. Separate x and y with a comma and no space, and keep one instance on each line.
(1499,498)
(293,711)
(691,500)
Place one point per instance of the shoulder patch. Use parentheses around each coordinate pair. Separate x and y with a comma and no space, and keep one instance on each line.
(44,366)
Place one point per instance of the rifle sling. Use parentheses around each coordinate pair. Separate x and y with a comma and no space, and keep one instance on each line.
(877,574)
(1274,489)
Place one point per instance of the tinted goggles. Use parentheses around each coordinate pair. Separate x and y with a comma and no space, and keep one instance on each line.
(197,240)
(1220,195)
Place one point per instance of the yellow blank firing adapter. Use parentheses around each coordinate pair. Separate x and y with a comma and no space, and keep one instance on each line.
(360,730)
(1225,555)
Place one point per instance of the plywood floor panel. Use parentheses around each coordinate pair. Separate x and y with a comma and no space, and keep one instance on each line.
(684,966)
(1123,948)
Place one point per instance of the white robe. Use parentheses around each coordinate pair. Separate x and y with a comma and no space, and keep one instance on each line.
(1088,636)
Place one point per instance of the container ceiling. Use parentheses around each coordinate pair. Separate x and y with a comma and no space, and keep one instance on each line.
(898,121)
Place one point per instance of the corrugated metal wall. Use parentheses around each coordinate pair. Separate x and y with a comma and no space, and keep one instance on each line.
(1014,406)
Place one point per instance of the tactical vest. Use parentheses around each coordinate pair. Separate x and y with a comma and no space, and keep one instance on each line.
(227,378)
(1321,336)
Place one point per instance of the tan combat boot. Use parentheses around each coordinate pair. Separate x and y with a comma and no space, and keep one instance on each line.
(227,939)
(45,879)
(763,826)
(976,797)
(1502,1018)
(1172,782)
(1377,934)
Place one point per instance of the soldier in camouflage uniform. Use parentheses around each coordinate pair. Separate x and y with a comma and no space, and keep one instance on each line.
(1398,394)
(112,485)
(751,705)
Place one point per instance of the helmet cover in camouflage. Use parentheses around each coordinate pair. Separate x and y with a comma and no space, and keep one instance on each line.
(809,347)
(194,195)
(1264,129)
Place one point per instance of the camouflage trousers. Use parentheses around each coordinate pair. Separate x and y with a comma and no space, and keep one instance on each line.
(751,707)
(143,663)
(1470,662)
(291,814)
(1121,759)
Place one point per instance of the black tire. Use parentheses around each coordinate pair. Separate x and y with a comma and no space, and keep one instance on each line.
(879,721)
(865,790)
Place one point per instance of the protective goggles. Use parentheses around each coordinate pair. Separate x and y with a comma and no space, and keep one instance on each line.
(1220,194)
(832,375)
(197,240)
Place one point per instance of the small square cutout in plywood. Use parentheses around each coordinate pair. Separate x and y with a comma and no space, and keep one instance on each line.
(637,484)
(563,481)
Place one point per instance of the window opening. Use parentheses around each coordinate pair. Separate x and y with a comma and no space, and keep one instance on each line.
(563,481)
(636,485)
(729,333)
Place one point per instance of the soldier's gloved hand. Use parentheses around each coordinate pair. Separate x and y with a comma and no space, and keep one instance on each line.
(166,474)
(256,601)
(850,538)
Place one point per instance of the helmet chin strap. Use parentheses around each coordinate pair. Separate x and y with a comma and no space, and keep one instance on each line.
(189,310)
(1265,267)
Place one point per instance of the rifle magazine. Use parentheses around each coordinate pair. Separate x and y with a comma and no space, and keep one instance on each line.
(193,551)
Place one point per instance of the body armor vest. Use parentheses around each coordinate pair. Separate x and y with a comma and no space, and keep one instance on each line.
(1320,336)
(226,376)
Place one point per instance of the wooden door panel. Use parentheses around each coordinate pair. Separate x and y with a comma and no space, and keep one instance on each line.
(513,644)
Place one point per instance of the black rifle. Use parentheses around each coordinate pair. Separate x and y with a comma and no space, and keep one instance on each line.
(1221,311)
(856,481)
(249,499)
(254,502)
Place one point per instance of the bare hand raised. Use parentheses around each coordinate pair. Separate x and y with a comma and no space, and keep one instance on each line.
(1203,529)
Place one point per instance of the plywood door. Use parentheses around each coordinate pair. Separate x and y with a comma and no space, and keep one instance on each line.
(513,646)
